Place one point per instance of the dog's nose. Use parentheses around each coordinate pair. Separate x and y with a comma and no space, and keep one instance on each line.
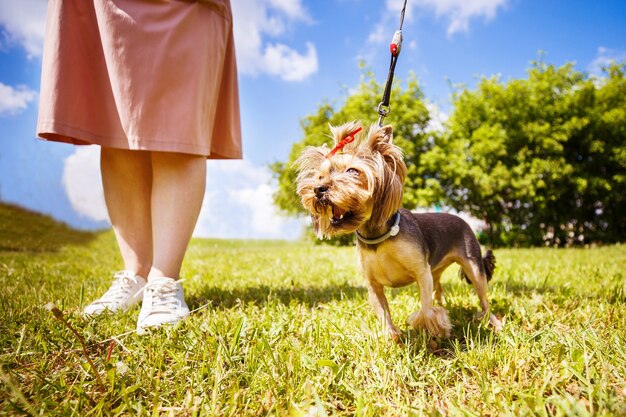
(319,191)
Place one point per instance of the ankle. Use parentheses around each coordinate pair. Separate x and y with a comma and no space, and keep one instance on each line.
(158,273)
(138,270)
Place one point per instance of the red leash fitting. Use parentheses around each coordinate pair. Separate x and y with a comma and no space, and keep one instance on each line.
(343,142)
(396,43)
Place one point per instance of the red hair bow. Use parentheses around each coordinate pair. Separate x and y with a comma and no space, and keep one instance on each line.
(343,142)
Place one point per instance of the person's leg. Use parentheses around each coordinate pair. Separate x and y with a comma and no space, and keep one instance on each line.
(127,183)
(178,185)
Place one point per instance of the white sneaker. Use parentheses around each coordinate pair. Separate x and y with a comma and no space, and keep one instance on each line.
(163,303)
(125,291)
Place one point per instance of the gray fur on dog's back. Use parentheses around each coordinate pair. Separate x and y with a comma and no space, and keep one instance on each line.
(442,232)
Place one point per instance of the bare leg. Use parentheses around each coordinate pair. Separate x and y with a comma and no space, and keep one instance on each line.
(378,301)
(178,183)
(127,183)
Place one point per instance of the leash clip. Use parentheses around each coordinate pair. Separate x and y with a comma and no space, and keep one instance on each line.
(383,111)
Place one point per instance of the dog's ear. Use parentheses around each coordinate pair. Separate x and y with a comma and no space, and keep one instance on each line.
(390,173)
(379,139)
(386,133)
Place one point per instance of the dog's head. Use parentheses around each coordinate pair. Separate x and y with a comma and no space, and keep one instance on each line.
(359,181)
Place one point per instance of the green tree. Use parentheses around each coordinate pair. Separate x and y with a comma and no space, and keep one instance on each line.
(540,159)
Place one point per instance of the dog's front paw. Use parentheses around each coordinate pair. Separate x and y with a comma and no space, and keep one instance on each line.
(433,319)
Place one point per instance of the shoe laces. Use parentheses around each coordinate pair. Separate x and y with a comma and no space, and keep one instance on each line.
(163,295)
(120,289)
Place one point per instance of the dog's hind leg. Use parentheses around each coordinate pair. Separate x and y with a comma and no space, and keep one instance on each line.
(438,294)
(475,272)
(436,272)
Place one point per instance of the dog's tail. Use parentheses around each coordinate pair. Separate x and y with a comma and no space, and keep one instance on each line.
(489,263)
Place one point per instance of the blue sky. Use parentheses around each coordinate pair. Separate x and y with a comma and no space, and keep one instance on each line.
(293,55)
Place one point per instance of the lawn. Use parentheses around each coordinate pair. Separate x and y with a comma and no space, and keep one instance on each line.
(284,328)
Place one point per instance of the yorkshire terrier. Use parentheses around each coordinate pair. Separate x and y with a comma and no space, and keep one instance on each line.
(357,188)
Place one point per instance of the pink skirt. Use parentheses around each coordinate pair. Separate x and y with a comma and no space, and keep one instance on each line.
(154,75)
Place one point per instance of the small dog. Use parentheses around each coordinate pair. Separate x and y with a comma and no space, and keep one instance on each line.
(357,187)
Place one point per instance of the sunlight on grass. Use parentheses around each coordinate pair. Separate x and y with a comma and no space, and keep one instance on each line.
(287,330)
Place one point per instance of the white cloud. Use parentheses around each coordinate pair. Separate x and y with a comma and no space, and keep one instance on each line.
(437,119)
(458,13)
(24,22)
(604,58)
(256,20)
(288,64)
(292,8)
(237,203)
(83,183)
(14,100)
(394,7)
(378,35)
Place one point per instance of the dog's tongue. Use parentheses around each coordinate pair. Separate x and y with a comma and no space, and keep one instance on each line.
(338,212)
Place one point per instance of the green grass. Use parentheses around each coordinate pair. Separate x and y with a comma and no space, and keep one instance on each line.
(288,331)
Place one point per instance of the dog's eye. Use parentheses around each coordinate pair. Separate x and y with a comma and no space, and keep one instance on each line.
(352,171)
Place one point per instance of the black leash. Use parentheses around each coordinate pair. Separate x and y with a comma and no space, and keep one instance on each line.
(396,44)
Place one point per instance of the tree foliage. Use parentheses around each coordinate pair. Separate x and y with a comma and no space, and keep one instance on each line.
(540,159)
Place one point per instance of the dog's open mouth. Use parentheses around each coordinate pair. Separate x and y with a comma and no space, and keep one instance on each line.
(338,215)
